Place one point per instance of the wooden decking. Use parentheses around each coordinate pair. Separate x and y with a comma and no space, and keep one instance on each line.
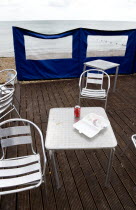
(82,173)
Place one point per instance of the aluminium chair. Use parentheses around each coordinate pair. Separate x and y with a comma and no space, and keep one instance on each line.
(93,77)
(6,103)
(10,77)
(7,90)
(133,138)
(25,172)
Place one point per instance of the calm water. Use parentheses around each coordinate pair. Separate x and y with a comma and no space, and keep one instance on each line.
(52,27)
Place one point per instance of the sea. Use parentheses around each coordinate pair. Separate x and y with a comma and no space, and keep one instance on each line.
(53,27)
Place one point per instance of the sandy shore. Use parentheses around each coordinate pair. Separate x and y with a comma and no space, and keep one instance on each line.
(7,63)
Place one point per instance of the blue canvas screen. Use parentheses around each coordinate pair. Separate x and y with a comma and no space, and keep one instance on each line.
(30,69)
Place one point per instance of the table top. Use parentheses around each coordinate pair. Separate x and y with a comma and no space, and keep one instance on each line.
(101,64)
(62,135)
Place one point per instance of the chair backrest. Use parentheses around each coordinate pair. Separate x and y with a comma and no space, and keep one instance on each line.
(94,76)
(17,135)
(12,136)
(6,100)
(25,172)
(10,75)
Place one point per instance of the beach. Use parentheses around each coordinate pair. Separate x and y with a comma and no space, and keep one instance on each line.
(52,27)
(7,63)
(38,50)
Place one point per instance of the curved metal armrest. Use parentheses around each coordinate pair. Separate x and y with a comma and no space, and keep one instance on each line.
(12,79)
(133,137)
(80,79)
(108,83)
(39,131)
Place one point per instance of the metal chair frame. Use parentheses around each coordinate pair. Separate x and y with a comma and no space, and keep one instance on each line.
(93,78)
(133,138)
(15,166)
(6,104)
(6,94)
(11,80)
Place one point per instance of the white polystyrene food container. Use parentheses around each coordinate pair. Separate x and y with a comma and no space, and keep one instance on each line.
(91,125)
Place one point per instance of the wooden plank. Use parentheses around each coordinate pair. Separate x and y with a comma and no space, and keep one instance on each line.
(23,198)
(80,180)
(69,182)
(36,194)
(104,198)
(82,173)
(99,163)
(42,110)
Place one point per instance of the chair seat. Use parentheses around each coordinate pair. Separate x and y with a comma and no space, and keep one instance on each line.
(21,170)
(91,93)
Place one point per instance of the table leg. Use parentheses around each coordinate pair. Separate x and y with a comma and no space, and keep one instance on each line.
(109,166)
(116,76)
(52,156)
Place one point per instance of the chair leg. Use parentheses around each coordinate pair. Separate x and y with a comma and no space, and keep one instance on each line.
(16,111)
(79,101)
(105,103)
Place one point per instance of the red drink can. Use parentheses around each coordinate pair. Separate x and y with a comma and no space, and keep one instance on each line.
(77,111)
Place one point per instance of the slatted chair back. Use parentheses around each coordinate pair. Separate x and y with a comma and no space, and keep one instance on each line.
(5,102)
(9,77)
(12,136)
(17,172)
(93,76)
(133,137)
(96,90)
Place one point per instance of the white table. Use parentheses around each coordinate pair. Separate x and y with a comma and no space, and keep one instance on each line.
(104,65)
(62,136)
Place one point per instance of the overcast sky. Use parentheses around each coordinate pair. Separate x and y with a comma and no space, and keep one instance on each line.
(124,10)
